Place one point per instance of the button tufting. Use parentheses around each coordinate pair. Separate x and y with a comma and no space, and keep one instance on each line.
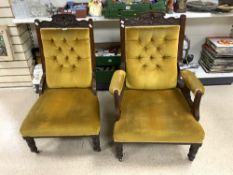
(55,57)
(61,66)
(140,41)
(52,40)
(158,66)
(74,66)
(67,58)
(151,57)
(167,39)
(144,66)
(64,40)
(165,57)
(78,57)
(59,48)
(72,49)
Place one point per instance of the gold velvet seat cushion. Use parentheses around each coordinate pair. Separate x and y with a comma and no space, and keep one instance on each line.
(161,116)
(63,112)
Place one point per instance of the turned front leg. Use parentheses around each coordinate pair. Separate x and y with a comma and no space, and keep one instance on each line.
(193,151)
(31,143)
(96,143)
(119,151)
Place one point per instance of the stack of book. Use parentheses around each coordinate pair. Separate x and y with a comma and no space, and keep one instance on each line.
(217,55)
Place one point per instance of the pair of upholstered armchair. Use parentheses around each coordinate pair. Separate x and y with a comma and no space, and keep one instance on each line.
(152,96)
(68,105)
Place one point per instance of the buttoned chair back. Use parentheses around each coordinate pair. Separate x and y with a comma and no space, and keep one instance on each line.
(68,105)
(152,51)
(67,55)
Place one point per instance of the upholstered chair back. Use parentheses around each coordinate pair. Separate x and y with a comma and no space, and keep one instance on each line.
(67,55)
(151,56)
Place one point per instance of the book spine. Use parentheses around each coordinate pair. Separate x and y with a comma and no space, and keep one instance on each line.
(209,43)
(224,51)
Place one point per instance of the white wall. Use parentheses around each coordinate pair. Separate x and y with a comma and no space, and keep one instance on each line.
(16,72)
(198,29)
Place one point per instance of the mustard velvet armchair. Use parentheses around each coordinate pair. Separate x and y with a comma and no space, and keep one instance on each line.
(152,96)
(67,105)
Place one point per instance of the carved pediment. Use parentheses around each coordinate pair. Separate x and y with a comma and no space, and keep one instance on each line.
(63,21)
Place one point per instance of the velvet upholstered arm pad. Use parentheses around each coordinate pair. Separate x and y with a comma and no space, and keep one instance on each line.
(192,82)
(117,81)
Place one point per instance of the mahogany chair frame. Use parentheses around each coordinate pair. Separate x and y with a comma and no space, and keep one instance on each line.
(153,19)
(64,21)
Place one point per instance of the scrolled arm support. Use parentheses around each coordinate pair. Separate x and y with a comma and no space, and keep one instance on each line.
(196,105)
(42,85)
(94,84)
(191,83)
(117,102)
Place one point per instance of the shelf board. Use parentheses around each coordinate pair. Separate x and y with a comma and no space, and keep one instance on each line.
(32,19)
(200,73)
(191,15)
(200,15)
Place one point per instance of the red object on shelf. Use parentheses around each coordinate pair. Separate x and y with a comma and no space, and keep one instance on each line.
(229,2)
(78,13)
(81,13)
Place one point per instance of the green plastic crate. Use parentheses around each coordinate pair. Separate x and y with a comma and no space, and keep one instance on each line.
(141,8)
(160,6)
(108,61)
(119,6)
(117,10)
(128,13)
(103,78)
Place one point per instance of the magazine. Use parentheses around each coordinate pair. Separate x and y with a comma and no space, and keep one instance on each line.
(221,45)
(214,53)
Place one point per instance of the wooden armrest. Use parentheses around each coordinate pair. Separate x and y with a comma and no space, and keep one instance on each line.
(192,82)
(42,84)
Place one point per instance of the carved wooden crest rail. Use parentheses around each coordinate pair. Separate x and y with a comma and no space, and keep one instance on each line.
(64,20)
(151,18)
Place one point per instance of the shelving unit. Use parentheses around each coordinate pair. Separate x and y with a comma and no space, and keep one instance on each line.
(191,15)
(32,19)
(206,78)
(213,78)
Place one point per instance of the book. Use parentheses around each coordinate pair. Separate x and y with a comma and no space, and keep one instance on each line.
(207,69)
(216,60)
(214,53)
(212,64)
(221,45)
